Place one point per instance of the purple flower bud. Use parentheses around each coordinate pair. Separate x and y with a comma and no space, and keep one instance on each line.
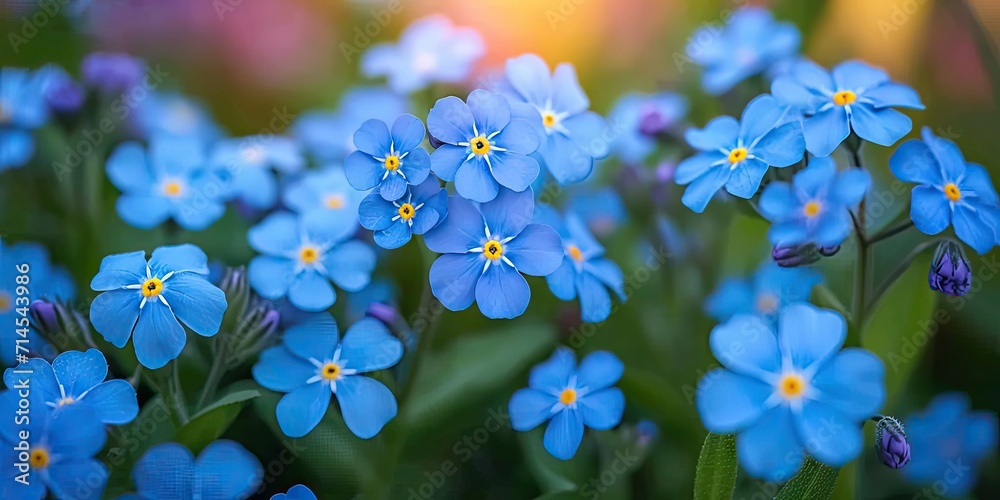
(950,272)
(270,322)
(794,256)
(891,446)
(62,94)
(652,122)
(111,73)
(435,142)
(44,314)
(829,251)
(383,312)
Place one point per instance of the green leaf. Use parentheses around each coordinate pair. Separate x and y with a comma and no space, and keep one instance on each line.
(814,481)
(553,476)
(899,326)
(715,477)
(654,393)
(129,442)
(211,422)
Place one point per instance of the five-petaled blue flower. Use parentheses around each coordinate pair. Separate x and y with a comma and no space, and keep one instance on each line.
(815,207)
(148,298)
(790,392)
(572,397)
(314,362)
(430,50)
(170,180)
(951,191)
(584,272)
(328,135)
(420,209)
(301,257)
(244,166)
(751,43)
(324,197)
(570,135)
(486,248)
(641,118)
(22,108)
(485,146)
(77,378)
(389,160)
(297,492)
(854,96)
(224,469)
(769,290)
(736,154)
(60,451)
(946,436)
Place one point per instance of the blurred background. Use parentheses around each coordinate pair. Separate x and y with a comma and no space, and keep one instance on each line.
(250,61)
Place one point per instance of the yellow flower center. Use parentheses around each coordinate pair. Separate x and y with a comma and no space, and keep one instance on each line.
(549,119)
(39,458)
(5,302)
(737,155)
(492,250)
(309,255)
(334,201)
(812,209)
(952,192)
(330,371)
(844,97)
(65,401)
(392,163)
(406,211)
(792,386)
(152,287)
(575,253)
(480,145)
(172,188)
(767,303)
(567,397)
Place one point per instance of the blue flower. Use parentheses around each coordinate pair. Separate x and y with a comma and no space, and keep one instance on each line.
(571,137)
(485,146)
(642,117)
(244,166)
(112,73)
(325,197)
(602,209)
(148,298)
(854,96)
(736,154)
(313,362)
(328,136)
(486,248)
(751,43)
(572,397)
(170,180)
(430,50)
(62,93)
(174,115)
(816,206)
(584,272)
(297,492)
(61,449)
(388,160)
(22,108)
(947,435)
(301,257)
(951,191)
(788,391)
(77,378)
(224,469)
(420,209)
(768,291)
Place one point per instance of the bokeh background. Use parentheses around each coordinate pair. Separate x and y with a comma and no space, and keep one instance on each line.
(247,58)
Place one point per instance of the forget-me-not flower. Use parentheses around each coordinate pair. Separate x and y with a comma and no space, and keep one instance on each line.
(602,209)
(485,146)
(641,118)
(736,154)
(324,197)
(244,166)
(389,160)
(854,96)
(328,135)
(952,192)
(570,135)
(22,109)
(770,289)
(174,115)
(148,299)
(419,209)
(314,362)
(297,492)
(169,180)
(430,50)
(224,469)
(751,43)
(63,95)
(790,391)
(572,397)
(301,257)
(584,272)
(486,248)
(815,207)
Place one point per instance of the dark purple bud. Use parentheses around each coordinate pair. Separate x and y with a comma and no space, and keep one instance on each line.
(794,256)
(44,314)
(652,122)
(62,94)
(829,251)
(383,312)
(112,73)
(891,446)
(950,272)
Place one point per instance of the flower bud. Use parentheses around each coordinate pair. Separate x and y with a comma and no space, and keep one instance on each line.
(891,445)
(829,251)
(60,328)
(795,256)
(652,123)
(383,312)
(950,271)
(112,73)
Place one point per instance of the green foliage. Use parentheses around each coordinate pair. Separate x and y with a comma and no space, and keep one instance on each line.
(814,481)
(716,474)
(212,421)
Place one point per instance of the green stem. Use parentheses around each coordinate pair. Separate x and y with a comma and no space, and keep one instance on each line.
(861,271)
(901,268)
(175,396)
(215,373)
(888,233)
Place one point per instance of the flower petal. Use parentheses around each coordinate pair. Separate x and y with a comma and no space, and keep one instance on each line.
(853,75)
(281,371)
(782,146)
(829,435)
(747,345)
(311,291)
(745,179)
(114,400)
(75,431)
(350,265)
(373,138)
(447,160)
(114,315)
(603,409)
(693,167)
(972,229)
(395,236)
(490,111)
(853,383)
(475,181)
(316,337)
(450,121)
(225,469)
(913,161)
(271,276)
(564,159)
(721,132)
(595,301)
(880,126)
(278,234)
(148,473)
(509,214)
(850,186)
(825,130)
(537,250)
(529,75)
(562,282)
(779,202)
(891,94)
(729,402)
(502,292)
(196,302)
(407,133)
(929,210)
(564,434)
(300,411)
(769,449)
(120,270)
(552,375)
(453,279)
(367,405)
(368,346)
(567,95)
(142,211)
(703,189)
(393,187)
(362,170)
(809,336)
(461,230)
(159,338)
(79,371)
(128,169)
(77,478)
(760,117)
(514,171)
(416,166)
(529,408)
(599,370)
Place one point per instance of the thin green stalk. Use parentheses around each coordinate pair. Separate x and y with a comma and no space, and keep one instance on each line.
(888,233)
(901,268)
(861,277)
(175,397)
(215,373)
